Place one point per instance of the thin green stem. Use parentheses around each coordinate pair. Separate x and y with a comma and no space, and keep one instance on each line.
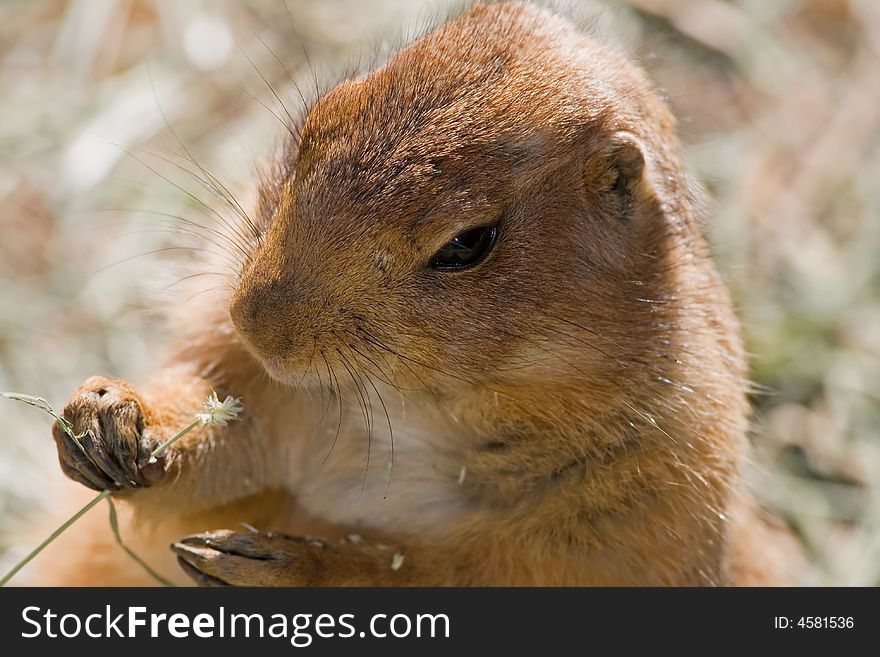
(79,514)
(113,523)
(180,434)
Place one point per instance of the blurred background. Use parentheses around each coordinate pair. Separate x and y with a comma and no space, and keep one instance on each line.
(779,110)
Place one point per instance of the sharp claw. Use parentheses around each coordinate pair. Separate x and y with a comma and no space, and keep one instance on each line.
(194,560)
(195,551)
(86,470)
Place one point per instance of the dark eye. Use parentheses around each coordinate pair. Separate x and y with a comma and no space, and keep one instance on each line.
(466,250)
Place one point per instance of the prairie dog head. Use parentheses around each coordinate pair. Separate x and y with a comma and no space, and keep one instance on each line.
(451,217)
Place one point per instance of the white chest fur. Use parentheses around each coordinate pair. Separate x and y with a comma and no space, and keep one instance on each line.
(401,470)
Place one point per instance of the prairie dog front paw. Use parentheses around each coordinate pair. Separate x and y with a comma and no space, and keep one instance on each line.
(108,417)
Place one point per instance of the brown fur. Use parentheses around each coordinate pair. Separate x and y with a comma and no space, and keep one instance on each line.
(571,411)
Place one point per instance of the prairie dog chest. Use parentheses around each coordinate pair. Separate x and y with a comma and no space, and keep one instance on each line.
(400,469)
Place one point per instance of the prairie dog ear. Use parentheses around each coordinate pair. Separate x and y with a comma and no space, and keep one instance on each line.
(616,172)
(628,157)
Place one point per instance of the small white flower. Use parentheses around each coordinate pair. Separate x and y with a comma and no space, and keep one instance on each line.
(397,561)
(219,413)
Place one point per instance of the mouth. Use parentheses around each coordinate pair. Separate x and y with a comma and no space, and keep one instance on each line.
(278,371)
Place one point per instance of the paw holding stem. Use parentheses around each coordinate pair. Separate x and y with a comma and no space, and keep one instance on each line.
(92,466)
(102,438)
(105,440)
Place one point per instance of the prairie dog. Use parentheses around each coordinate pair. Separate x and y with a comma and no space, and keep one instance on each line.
(479,338)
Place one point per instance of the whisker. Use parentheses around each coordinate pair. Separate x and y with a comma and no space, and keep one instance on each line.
(292,125)
(209,235)
(196,275)
(335,382)
(210,289)
(243,251)
(305,105)
(148,253)
(302,43)
(366,409)
(390,434)
(216,186)
(293,135)
(234,230)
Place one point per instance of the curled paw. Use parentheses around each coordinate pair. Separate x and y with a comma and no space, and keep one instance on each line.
(228,558)
(108,418)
